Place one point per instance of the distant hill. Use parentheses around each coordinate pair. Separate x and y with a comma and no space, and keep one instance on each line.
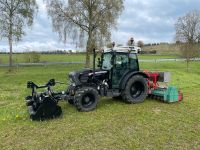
(163,49)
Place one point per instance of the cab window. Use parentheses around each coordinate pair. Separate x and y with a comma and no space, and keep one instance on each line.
(133,61)
(122,61)
(107,58)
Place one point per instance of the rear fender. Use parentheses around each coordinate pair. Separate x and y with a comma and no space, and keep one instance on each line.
(128,76)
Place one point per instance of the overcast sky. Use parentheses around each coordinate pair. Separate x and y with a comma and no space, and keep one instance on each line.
(146,20)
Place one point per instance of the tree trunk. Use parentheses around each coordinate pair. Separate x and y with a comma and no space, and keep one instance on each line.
(87,58)
(10,46)
(187,65)
(88,50)
(10,38)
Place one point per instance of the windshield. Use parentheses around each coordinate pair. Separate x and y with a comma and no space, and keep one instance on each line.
(107,61)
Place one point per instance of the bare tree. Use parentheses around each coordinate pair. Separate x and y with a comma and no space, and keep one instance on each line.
(85,19)
(14,16)
(189,51)
(32,57)
(188,35)
(188,27)
(140,43)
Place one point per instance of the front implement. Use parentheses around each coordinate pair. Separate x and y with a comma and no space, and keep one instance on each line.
(43,105)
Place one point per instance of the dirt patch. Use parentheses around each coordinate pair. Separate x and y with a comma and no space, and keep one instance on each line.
(157,110)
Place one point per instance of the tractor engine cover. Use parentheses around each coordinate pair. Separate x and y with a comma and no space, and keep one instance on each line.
(85,76)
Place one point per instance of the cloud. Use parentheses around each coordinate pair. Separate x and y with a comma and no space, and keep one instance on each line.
(151,20)
(147,20)
(40,36)
(38,46)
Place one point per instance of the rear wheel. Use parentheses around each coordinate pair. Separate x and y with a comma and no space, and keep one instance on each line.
(86,99)
(136,90)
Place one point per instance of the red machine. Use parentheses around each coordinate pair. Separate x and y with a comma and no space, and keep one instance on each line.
(157,84)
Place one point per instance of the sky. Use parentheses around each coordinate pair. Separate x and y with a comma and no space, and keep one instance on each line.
(147,20)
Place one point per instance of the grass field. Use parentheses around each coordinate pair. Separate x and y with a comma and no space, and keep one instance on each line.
(113,125)
(164,49)
(19,58)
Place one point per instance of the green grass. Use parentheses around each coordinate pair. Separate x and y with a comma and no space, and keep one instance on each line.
(164,49)
(113,125)
(144,56)
(19,58)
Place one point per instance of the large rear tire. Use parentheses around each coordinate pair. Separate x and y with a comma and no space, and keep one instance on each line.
(86,99)
(136,90)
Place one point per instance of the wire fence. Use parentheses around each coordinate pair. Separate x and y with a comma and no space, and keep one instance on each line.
(42,64)
(68,63)
(168,60)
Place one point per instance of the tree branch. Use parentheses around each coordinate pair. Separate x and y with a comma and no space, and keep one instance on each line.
(83,27)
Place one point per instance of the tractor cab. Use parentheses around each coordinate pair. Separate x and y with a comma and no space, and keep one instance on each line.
(118,62)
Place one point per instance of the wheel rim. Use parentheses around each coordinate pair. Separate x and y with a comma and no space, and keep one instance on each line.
(88,100)
(136,90)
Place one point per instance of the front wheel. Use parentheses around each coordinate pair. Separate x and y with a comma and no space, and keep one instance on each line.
(136,90)
(86,99)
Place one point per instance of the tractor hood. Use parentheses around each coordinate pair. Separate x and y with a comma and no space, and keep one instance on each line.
(86,75)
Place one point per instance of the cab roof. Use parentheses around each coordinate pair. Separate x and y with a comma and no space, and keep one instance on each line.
(122,49)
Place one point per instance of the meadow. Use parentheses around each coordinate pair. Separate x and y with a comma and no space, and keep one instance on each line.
(113,125)
(21,58)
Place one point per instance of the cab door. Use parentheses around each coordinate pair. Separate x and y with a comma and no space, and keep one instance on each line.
(120,68)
